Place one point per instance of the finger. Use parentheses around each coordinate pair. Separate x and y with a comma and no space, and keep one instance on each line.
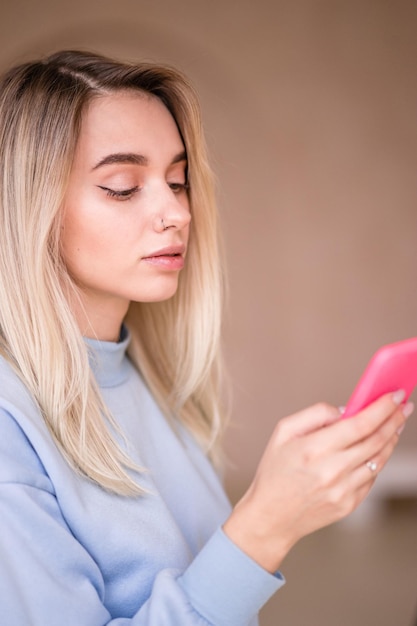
(366,474)
(365,461)
(360,494)
(307,421)
(389,432)
(357,437)
(355,487)
(377,461)
(377,448)
(348,432)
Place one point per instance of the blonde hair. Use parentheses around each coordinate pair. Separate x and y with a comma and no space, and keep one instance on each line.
(174,343)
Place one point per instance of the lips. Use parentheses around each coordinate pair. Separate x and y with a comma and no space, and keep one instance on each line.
(170,251)
(170,258)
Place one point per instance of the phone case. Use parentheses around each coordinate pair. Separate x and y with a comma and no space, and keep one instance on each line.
(392,367)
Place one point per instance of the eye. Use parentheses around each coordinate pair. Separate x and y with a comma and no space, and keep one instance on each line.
(120,194)
(178,187)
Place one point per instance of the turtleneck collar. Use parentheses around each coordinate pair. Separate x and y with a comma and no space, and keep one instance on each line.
(108,359)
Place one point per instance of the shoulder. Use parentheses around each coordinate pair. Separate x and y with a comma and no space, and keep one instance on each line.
(12,388)
(22,430)
(16,399)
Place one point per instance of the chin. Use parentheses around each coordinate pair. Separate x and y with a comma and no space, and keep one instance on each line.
(158,295)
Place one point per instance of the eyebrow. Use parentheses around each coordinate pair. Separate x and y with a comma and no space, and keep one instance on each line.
(132,158)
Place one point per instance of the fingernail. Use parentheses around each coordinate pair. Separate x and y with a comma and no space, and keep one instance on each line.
(341,409)
(398,396)
(408,409)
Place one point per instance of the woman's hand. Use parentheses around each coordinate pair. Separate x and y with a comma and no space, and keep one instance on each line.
(314,472)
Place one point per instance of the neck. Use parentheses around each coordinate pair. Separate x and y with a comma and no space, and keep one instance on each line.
(99,320)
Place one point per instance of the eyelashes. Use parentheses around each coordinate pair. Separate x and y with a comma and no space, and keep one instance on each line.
(178,187)
(122,194)
(127,194)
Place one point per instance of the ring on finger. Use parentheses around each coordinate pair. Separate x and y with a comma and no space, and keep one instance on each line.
(372,466)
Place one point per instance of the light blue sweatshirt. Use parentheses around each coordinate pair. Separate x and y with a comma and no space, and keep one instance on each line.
(71,554)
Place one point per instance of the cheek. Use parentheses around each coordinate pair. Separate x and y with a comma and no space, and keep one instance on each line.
(186,233)
(85,241)
(77,237)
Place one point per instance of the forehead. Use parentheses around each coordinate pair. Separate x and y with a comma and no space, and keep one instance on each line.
(127,121)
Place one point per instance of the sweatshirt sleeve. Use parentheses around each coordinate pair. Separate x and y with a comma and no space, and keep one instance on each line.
(48,578)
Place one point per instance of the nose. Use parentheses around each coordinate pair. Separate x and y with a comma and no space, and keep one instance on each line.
(172,209)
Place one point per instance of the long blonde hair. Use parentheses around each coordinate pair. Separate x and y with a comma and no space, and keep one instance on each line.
(175,343)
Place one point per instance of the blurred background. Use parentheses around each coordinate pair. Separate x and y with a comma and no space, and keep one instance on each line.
(310,111)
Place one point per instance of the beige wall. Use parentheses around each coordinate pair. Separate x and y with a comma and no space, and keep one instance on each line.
(310,112)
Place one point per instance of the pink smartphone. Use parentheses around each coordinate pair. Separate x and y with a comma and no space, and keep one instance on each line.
(392,367)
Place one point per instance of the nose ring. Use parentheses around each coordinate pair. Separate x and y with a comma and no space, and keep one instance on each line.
(163,224)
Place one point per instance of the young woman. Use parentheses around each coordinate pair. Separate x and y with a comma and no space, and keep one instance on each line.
(112,511)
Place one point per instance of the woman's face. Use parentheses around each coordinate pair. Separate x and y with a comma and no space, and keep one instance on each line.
(126,211)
